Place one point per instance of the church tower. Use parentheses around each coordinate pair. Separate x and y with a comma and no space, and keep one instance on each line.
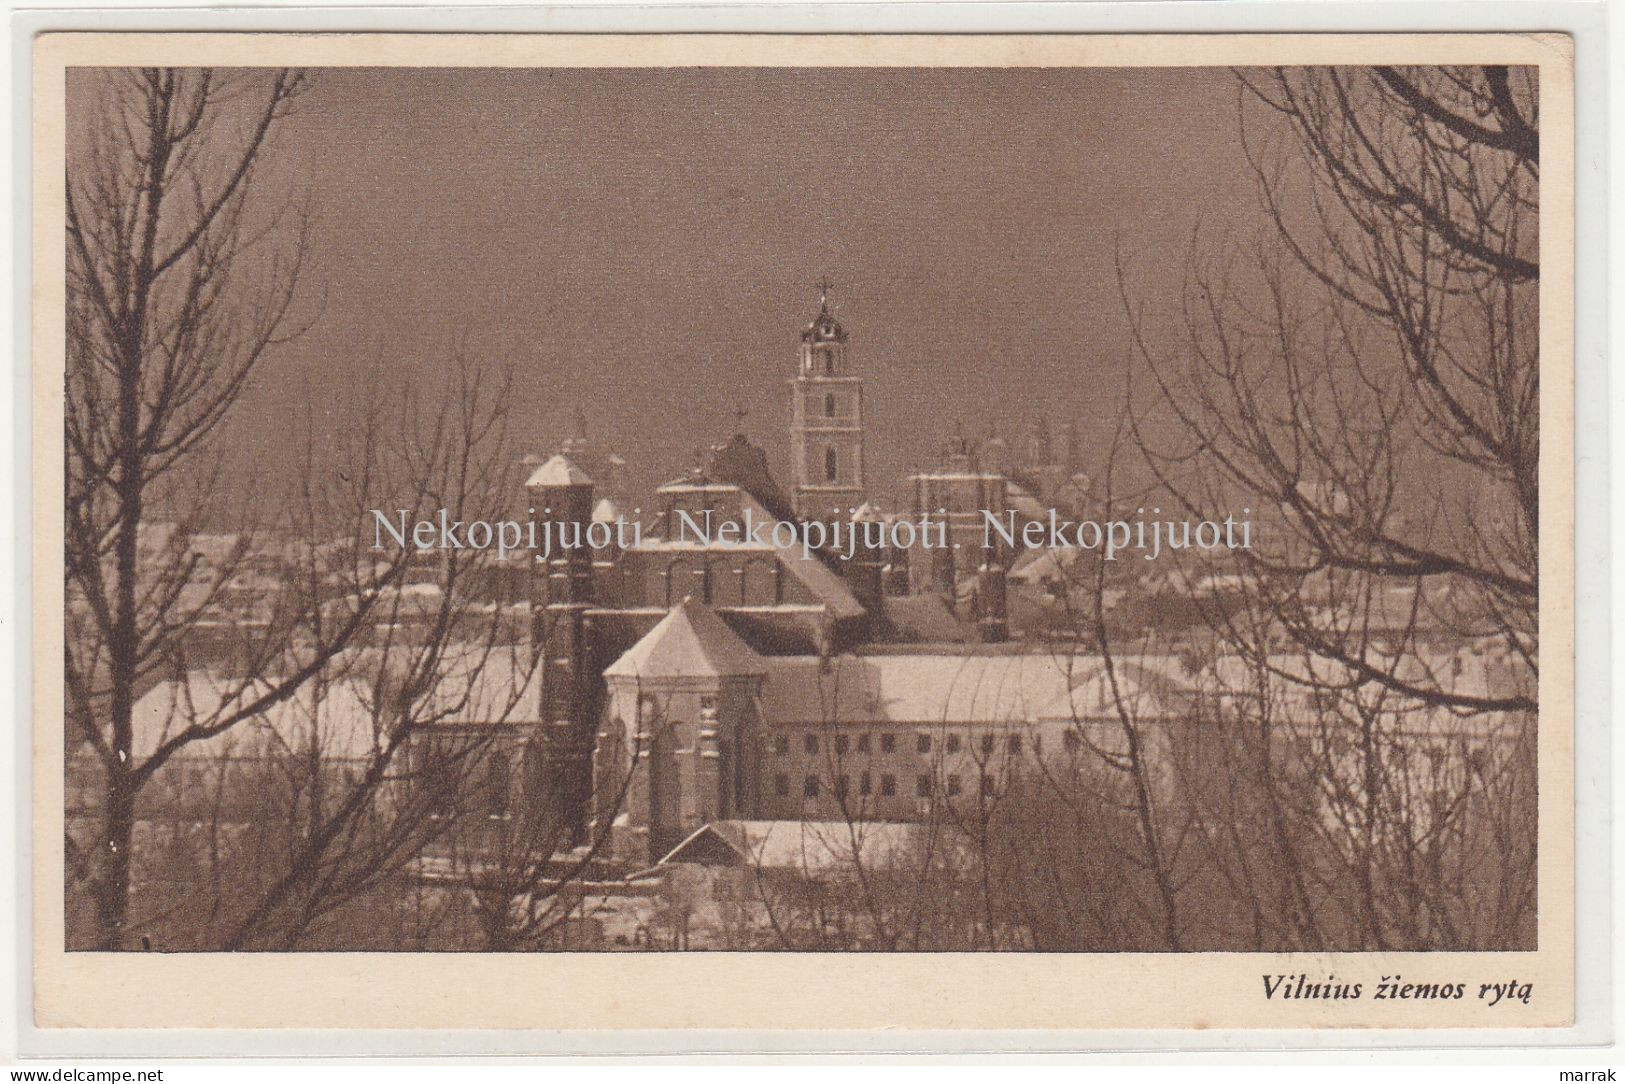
(826,421)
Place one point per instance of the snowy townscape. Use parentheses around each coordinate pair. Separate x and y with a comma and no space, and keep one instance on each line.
(292,725)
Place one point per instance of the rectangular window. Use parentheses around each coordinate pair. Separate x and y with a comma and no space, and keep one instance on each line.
(953,785)
(863,743)
(988,788)
(863,784)
(923,743)
(987,743)
(781,744)
(812,745)
(1038,744)
(1071,740)
(841,787)
(922,786)
(781,785)
(809,787)
(888,786)
(840,745)
(953,743)
(1015,744)
(888,743)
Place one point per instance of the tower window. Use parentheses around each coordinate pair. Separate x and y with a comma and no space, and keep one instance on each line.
(829,363)
(829,406)
(831,465)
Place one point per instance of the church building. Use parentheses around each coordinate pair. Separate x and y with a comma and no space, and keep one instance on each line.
(687,681)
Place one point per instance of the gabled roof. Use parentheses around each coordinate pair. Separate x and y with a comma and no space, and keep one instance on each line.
(707,846)
(824,585)
(804,846)
(690,641)
(559,471)
(829,589)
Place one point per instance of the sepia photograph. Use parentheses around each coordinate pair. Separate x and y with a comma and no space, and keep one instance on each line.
(964,510)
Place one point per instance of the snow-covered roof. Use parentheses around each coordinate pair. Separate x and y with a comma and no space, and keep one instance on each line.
(344,712)
(690,641)
(810,846)
(559,471)
(930,689)
(825,586)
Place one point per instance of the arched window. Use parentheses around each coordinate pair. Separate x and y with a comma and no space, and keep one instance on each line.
(829,363)
(829,406)
(831,465)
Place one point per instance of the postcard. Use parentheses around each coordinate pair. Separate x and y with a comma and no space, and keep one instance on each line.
(826,531)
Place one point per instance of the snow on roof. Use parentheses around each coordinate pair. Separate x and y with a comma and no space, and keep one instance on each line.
(1145,688)
(825,585)
(809,846)
(1295,678)
(1037,565)
(338,722)
(559,471)
(920,689)
(690,641)
(344,712)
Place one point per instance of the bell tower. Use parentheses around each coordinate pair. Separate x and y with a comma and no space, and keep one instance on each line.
(826,421)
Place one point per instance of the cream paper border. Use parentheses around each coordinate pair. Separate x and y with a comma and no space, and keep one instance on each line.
(847,991)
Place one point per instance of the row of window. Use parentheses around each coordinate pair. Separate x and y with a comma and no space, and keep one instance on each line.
(925,786)
(841,744)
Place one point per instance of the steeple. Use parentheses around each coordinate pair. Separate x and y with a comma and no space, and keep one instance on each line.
(824,328)
(826,420)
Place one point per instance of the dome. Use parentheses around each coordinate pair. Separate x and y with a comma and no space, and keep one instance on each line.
(824,329)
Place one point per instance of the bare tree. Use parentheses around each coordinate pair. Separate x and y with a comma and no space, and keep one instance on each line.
(519,866)
(178,283)
(1367,387)
(1374,393)
(328,789)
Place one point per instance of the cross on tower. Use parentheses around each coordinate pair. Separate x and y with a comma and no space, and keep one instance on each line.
(824,287)
(741,412)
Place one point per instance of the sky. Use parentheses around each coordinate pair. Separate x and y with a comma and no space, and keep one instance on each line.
(643,245)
